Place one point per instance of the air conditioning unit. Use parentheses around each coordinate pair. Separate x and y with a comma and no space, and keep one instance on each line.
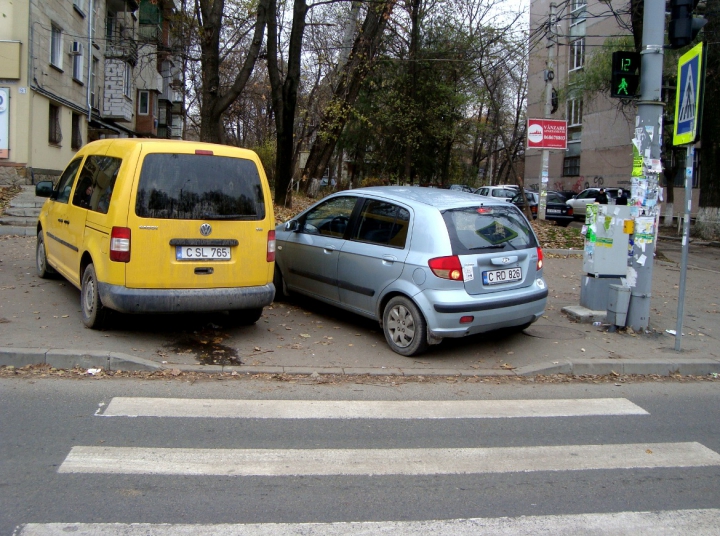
(77,48)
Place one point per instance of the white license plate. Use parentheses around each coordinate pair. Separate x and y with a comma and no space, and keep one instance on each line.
(202,253)
(553,211)
(506,275)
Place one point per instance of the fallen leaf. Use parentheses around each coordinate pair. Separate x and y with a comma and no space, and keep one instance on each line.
(305,335)
(507,366)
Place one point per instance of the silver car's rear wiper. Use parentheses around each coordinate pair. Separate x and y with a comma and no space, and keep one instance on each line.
(495,246)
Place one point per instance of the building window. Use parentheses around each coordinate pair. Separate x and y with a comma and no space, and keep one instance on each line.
(128,80)
(571,166)
(78,61)
(110,25)
(577,54)
(577,11)
(143,102)
(94,91)
(80,6)
(56,47)
(54,131)
(574,112)
(76,141)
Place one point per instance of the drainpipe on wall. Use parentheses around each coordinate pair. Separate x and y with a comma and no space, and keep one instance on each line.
(90,62)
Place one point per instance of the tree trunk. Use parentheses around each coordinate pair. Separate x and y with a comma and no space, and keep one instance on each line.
(346,92)
(284,96)
(214,103)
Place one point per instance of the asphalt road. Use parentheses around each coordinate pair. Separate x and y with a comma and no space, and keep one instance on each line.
(70,454)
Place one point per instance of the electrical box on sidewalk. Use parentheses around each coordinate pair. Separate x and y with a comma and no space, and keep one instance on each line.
(605,257)
(606,240)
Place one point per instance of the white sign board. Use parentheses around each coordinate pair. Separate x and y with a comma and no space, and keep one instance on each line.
(4,122)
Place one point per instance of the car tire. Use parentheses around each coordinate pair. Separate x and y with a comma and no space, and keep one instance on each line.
(281,291)
(404,327)
(92,309)
(245,317)
(44,270)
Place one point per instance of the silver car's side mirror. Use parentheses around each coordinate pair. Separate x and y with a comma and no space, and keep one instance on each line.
(292,226)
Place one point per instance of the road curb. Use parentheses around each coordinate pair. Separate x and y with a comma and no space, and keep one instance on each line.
(67,359)
(115,361)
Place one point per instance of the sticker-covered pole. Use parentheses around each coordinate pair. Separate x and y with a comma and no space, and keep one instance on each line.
(644,191)
(549,75)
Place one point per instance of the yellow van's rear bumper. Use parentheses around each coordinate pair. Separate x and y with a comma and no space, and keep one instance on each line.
(141,300)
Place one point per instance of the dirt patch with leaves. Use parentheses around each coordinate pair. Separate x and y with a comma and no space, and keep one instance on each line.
(6,195)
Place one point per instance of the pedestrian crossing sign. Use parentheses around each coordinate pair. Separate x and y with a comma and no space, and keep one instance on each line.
(689,95)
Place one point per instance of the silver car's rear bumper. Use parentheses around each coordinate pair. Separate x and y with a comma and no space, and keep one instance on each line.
(141,300)
(443,309)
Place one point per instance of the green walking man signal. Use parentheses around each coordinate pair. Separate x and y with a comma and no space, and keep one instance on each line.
(625,75)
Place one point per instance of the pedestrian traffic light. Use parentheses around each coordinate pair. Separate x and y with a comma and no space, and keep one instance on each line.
(625,74)
(684,27)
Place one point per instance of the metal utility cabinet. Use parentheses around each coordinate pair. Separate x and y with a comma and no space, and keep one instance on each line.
(605,257)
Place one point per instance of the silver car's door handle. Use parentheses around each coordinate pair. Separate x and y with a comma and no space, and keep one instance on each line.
(389,259)
(328,249)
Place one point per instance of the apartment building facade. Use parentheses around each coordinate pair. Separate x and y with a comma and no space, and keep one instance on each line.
(72,71)
(599,151)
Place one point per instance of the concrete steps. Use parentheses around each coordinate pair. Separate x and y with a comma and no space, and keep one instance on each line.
(20,217)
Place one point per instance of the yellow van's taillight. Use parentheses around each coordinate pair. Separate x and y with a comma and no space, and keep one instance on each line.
(271,246)
(120,244)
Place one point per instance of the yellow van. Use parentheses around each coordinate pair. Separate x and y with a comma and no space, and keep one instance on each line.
(160,226)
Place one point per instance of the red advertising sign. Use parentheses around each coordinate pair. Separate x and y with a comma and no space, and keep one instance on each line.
(547,134)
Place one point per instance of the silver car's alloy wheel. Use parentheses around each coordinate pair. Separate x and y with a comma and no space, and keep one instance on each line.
(401,326)
(404,327)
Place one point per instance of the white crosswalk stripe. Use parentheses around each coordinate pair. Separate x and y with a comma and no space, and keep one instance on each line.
(437,461)
(695,522)
(342,409)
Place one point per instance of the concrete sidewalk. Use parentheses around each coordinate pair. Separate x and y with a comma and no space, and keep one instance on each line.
(40,323)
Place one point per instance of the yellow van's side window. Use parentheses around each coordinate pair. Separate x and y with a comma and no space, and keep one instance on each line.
(66,181)
(97,180)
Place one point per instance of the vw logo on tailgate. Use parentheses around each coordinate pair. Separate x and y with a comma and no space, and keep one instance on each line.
(205,229)
(505,260)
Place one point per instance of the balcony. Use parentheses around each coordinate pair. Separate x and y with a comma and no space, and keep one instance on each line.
(122,48)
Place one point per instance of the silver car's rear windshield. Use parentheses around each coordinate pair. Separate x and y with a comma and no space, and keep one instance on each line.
(199,187)
(487,228)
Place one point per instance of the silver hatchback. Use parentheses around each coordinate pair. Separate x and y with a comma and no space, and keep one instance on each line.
(426,263)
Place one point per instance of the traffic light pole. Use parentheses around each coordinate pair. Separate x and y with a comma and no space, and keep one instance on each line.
(549,75)
(648,133)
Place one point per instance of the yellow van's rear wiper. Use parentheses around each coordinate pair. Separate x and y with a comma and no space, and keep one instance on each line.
(208,216)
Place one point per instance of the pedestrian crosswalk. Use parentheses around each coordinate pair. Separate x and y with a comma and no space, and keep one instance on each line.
(322,461)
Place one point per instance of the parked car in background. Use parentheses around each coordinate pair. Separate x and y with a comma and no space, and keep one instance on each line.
(555,209)
(505,192)
(587,196)
(461,188)
(160,226)
(426,264)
